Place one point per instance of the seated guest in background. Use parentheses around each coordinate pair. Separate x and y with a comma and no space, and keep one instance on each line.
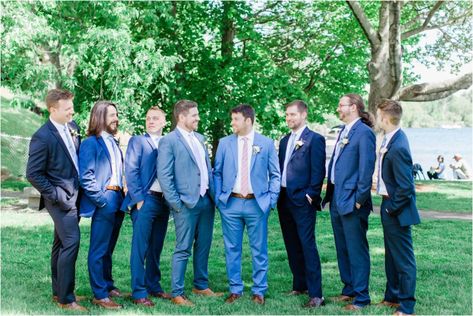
(149,210)
(460,169)
(437,172)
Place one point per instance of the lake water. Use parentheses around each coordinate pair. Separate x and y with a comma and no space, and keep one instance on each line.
(427,143)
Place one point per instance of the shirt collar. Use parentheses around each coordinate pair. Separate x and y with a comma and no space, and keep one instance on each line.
(350,125)
(184,132)
(390,135)
(105,134)
(250,136)
(298,133)
(59,127)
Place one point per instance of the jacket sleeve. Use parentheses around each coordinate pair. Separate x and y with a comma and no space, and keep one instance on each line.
(37,166)
(274,175)
(165,171)
(133,171)
(218,171)
(87,167)
(402,171)
(367,159)
(317,169)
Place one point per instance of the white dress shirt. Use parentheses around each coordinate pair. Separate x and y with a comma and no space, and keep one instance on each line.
(156,186)
(66,140)
(117,166)
(297,135)
(381,186)
(251,138)
(190,137)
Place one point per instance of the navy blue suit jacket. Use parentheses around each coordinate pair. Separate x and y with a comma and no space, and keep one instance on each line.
(50,167)
(353,170)
(398,178)
(140,169)
(305,169)
(95,170)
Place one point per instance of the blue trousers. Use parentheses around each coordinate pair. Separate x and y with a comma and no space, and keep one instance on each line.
(399,263)
(194,227)
(105,228)
(352,252)
(150,224)
(237,214)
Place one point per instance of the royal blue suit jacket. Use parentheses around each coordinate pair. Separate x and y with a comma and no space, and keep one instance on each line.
(95,170)
(306,168)
(398,178)
(353,170)
(50,168)
(140,169)
(264,171)
(179,173)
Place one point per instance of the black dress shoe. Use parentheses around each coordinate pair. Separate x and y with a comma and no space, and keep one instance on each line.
(315,302)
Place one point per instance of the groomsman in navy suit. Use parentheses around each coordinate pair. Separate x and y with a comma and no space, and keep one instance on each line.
(101,171)
(302,162)
(185,176)
(53,170)
(149,210)
(349,182)
(247,185)
(398,209)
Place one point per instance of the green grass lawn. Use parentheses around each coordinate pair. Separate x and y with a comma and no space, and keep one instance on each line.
(443,250)
(446,196)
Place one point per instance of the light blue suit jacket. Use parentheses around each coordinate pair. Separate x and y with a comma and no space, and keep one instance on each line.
(264,171)
(178,172)
(95,171)
(140,169)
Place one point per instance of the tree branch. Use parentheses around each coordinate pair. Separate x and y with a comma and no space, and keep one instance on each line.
(427,20)
(365,24)
(434,91)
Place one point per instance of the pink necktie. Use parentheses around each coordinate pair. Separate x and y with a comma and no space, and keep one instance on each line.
(244,168)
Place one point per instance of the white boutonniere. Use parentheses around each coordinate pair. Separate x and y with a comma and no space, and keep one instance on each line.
(383,150)
(256,149)
(299,144)
(73,132)
(344,141)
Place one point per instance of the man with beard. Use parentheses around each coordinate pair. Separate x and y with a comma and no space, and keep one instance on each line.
(149,210)
(184,173)
(302,161)
(247,184)
(101,169)
(350,174)
(53,171)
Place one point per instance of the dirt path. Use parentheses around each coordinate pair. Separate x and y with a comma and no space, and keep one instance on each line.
(439,214)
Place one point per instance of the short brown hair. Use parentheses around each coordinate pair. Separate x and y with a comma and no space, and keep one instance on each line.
(54,95)
(98,117)
(246,110)
(393,109)
(156,108)
(301,105)
(183,107)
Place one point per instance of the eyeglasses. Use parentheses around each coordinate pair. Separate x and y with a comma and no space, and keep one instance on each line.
(342,105)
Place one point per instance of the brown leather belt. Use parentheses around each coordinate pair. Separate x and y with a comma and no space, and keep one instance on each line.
(385,197)
(113,187)
(240,196)
(156,193)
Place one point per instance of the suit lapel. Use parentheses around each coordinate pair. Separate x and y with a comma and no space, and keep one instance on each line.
(150,141)
(303,137)
(391,142)
(350,134)
(75,139)
(105,149)
(234,149)
(256,143)
(186,145)
(55,132)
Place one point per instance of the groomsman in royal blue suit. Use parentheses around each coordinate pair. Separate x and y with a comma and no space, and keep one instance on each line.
(53,170)
(398,209)
(101,171)
(247,184)
(184,173)
(302,163)
(149,210)
(349,182)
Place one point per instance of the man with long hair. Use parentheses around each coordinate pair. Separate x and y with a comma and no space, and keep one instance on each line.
(101,171)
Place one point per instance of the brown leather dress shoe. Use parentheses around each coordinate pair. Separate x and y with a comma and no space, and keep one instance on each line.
(258,299)
(388,304)
(182,301)
(296,293)
(399,313)
(115,293)
(106,303)
(144,302)
(73,307)
(161,295)
(314,302)
(353,307)
(232,298)
(79,298)
(206,292)
(342,298)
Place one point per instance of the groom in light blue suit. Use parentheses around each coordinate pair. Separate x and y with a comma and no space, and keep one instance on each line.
(247,184)
(184,173)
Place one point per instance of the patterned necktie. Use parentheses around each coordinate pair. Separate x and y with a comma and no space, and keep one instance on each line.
(244,168)
(380,156)
(71,147)
(338,147)
(200,163)
(117,156)
(290,149)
